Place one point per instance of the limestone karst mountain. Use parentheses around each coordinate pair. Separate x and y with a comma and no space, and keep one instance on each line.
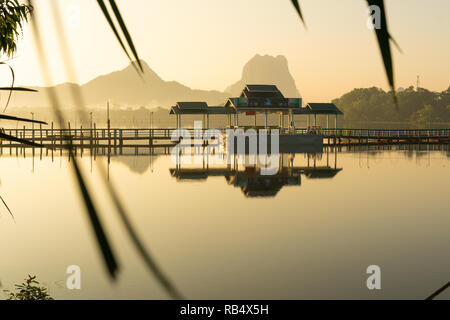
(267,70)
(125,88)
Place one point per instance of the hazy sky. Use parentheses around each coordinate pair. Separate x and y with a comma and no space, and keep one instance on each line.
(205,43)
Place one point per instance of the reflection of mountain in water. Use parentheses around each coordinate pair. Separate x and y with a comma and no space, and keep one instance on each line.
(253,184)
(138,164)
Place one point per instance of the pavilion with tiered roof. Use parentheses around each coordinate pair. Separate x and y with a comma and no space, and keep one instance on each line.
(258,99)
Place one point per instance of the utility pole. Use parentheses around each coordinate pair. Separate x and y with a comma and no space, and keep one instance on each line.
(151,120)
(109,133)
(90,131)
(418,83)
(32,127)
(107,115)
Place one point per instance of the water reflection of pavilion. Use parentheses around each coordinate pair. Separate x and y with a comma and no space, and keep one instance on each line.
(254,184)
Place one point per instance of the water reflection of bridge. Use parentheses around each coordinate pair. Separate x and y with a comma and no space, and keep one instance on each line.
(139,160)
(253,183)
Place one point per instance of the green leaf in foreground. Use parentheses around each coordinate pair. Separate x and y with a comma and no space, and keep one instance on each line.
(30,290)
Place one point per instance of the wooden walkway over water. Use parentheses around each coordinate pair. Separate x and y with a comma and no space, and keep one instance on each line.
(161,137)
(386,136)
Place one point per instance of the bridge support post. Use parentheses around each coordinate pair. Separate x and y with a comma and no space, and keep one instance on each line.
(53,137)
(115,141)
(293,123)
(150,140)
(94,138)
(265,113)
(69,134)
(81,138)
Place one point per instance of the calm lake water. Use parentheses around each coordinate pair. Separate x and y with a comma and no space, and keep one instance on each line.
(308,233)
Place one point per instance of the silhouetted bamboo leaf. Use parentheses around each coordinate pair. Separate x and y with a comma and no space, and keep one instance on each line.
(299,11)
(6,117)
(383,38)
(438,291)
(18,89)
(102,5)
(145,254)
(102,240)
(23,141)
(77,96)
(12,84)
(8,208)
(149,261)
(395,44)
(125,32)
(12,88)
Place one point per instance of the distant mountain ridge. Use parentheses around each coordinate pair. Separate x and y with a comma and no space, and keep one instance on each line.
(124,87)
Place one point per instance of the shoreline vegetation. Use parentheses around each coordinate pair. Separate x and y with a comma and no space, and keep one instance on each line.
(415,106)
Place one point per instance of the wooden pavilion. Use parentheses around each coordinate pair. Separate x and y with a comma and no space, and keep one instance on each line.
(258,99)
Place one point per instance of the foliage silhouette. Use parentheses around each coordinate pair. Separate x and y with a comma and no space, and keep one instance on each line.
(30,290)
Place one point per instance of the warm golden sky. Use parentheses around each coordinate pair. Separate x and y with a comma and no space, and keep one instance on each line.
(205,43)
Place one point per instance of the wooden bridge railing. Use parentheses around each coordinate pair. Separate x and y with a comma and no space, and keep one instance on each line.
(380,133)
(46,134)
(390,133)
